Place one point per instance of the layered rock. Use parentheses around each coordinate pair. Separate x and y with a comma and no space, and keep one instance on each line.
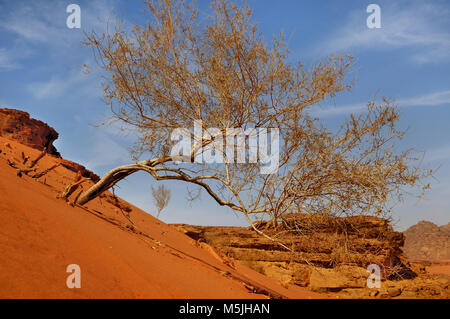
(17,125)
(330,253)
(428,242)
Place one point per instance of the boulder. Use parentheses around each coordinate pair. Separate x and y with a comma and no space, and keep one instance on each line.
(335,279)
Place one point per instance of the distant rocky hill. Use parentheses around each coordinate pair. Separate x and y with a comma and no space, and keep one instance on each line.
(427,242)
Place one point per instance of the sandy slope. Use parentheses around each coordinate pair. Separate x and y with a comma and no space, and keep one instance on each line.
(40,235)
(442,267)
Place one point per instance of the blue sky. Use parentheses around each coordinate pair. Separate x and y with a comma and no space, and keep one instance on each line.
(408,59)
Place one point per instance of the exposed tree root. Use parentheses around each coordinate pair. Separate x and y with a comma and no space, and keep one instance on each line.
(44,172)
(24,159)
(31,167)
(35,161)
(72,187)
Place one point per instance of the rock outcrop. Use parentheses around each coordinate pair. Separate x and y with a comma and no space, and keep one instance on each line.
(426,241)
(75,167)
(331,254)
(17,125)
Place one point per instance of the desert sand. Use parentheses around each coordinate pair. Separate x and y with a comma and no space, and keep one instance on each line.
(442,267)
(121,254)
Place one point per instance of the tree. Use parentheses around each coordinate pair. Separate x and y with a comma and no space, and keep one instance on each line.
(161,196)
(180,70)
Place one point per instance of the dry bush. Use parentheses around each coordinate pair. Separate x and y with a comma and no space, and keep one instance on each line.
(217,70)
(356,240)
(161,196)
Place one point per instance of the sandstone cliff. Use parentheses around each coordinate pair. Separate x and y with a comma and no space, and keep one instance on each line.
(340,247)
(331,255)
(17,125)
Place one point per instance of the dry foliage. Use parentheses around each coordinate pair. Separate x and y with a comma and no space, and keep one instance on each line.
(181,67)
(161,196)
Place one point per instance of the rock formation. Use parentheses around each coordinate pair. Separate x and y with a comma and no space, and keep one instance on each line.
(426,241)
(17,125)
(331,254)
(75,167)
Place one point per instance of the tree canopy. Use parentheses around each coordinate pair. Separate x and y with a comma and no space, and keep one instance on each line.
(182,68)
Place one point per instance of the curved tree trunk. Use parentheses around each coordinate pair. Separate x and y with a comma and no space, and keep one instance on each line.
(116,175)
(109,180)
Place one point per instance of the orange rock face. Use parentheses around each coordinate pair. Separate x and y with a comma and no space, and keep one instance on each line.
(17,125)
(426,241)
(75,167)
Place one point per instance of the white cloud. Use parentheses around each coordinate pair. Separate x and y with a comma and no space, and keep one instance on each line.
(421,27)
(338,110)
(105,151)
(427,100)
(439,154)
(45,21)
(36,25)
(39,30)
(433,99)
(30,28)
(6,60)
(58,85)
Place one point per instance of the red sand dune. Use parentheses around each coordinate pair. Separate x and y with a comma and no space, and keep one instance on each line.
(41,235)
